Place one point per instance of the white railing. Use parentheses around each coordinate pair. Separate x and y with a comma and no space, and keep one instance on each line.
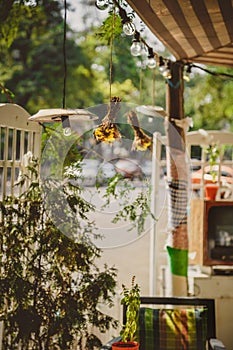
(224,164)
(18,136)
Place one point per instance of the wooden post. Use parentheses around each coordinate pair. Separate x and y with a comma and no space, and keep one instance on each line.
(177,181)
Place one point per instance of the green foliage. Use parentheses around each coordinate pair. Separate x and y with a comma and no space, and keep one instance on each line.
(208,100)
(213,152)
(121,190)
(134,211)
(137,211)
(10,14)
(50,286)
(9,94)
(33,67)
(111,28)
(131,299)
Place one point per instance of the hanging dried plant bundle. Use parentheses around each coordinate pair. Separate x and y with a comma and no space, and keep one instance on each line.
(142,141)
(108,131)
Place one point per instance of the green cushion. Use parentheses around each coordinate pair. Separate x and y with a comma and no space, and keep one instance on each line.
(173,329)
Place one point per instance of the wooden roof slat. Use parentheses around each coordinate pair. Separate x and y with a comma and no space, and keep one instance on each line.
(195,24)
(183,24)
(206,22)
(214,61)
(227,13)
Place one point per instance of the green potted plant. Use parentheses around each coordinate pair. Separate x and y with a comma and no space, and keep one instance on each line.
(211,187)
(50,286)
(129,332)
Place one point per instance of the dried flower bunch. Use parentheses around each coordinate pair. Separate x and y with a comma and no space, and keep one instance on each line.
(142,141)
(108,131)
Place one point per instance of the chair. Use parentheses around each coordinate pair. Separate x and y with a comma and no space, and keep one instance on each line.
(175,323)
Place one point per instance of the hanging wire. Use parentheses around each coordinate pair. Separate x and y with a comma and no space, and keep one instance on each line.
(64,56)
(110,70)
(140,83)
(217,74)
(111,54)
(153,87)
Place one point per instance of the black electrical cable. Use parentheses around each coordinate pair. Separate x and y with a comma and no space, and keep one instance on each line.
(64,56)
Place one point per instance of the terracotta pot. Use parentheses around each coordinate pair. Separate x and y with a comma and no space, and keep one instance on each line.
(131,345)
(210,192)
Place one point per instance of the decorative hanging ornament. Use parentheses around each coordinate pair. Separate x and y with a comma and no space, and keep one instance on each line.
(53,115)
(63,115)
(142,141)
(108,131)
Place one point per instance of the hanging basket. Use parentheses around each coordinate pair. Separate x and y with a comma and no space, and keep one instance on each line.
(123,345)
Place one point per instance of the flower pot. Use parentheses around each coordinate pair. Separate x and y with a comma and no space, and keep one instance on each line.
(131,345)
(210,192)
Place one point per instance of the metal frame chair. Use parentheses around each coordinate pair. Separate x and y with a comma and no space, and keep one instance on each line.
(179,301)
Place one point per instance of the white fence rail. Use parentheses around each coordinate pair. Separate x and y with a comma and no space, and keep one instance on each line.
(17,137)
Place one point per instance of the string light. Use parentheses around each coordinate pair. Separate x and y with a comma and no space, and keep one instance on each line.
(137,43)
(151,63)
(128,26)
(66,126)
(166,73)
(102,4)
(217,74)
(161,64)
(186,75)
(136,47)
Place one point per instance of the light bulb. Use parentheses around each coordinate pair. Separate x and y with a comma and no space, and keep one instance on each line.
(66,131)
(101,4)
(66,126)
(129,28)
(151,63)
(136,48)
(167,73)
(166,70)
(186,77)
(162,69)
